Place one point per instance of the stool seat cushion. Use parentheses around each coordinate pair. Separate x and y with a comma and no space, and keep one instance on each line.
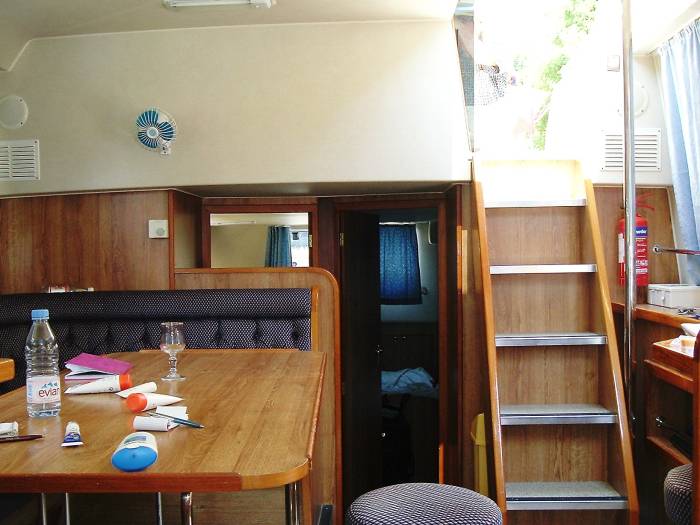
(678,493)
(423,504)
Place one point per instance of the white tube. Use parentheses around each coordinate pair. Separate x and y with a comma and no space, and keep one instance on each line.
(106,384)
(144,388)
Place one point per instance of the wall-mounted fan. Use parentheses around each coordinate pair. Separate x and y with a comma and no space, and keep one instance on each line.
(155,129)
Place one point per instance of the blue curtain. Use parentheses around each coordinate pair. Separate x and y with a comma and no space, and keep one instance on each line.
(279,246)
(680,74)
(399,272)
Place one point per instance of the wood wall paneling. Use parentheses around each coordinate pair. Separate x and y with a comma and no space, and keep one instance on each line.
(186,230)
(98,240)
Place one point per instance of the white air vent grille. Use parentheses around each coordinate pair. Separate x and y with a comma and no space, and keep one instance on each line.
(647,150)
(19,160)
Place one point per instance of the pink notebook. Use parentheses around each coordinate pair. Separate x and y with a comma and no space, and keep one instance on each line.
(87,366)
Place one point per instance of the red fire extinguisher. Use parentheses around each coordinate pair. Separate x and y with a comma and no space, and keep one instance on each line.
(641,248)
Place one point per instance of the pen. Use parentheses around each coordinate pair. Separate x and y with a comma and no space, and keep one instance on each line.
(186,422)
(26,437)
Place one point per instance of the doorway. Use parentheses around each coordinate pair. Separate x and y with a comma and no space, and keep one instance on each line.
(397,404)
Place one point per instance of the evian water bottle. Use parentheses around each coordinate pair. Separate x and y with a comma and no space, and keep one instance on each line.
(43,383)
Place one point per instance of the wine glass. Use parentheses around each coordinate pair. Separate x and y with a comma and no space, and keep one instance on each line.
(172,341)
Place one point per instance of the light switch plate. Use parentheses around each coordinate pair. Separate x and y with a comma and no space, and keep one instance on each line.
(158,229)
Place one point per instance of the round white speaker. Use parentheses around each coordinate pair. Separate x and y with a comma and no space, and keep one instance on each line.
(13,112)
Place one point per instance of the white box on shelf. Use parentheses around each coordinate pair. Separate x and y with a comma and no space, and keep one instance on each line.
(674,295)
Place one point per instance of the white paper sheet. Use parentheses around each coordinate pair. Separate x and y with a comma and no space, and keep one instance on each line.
(172,411)
(691,329)
(145,388)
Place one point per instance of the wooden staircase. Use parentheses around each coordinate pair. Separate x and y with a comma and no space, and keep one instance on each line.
(561,446)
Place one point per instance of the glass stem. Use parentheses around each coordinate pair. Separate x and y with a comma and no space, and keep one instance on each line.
(173,365)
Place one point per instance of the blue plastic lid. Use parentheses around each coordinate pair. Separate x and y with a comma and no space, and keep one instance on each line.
(134,459)
(40,314)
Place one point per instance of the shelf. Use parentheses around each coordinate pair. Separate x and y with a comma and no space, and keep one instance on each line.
(665,445)
(544,203)
(572,495)
(551,339)
(570,414)
(542,268)
(670,375)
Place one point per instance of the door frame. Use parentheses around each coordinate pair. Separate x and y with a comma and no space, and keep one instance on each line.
(449,415)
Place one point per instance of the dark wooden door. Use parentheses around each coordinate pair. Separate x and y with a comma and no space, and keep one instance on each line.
(360,329)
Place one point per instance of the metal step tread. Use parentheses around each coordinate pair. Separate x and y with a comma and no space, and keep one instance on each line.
(560,414)
(551,339)
(563,495)
(543,268)
(535,203)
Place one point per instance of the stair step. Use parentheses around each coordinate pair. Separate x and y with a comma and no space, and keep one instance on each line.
(543,268)
(551,339)
(572,495)
(543,203)
(573,414)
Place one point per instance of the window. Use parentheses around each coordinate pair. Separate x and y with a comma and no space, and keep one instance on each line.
(399,270)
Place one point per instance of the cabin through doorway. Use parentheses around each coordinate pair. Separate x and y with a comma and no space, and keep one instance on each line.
(396,412)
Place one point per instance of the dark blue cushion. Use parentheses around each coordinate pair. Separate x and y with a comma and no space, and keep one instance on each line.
(106,322)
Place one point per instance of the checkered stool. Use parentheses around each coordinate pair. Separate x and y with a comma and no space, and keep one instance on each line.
(678,493)
(423,504)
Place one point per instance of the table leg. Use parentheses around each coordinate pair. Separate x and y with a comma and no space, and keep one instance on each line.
(67,508)
(186,517)
(44,520)
(159,508)
(292,503)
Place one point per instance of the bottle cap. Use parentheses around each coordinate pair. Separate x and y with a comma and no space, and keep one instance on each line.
(136,402)
(39,314)
(125,382)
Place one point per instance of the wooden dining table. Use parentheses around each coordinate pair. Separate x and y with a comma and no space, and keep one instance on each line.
(259,409)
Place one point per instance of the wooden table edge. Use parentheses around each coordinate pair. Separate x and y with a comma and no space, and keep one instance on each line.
(145,482)
(7,369)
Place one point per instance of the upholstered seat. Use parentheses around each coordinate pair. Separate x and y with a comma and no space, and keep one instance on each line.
(105,322)
(423,504)
(678,494)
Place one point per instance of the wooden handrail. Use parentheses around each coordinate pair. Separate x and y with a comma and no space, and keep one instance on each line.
(489,326)
(613,355)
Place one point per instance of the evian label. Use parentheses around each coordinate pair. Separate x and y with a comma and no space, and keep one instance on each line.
(43,389)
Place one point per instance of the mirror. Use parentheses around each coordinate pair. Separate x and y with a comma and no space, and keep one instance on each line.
(254,240)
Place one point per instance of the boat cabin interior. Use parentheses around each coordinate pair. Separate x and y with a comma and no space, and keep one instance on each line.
(435,261)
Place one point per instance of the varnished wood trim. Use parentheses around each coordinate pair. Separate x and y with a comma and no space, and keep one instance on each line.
(314,319)
(490,333)
(7,369)
(605,309)
(667,448)
(656,314)
(171,239)
(137,482)
(206,237)
(670,375)
(696,433)
(317,412)
(259,201)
